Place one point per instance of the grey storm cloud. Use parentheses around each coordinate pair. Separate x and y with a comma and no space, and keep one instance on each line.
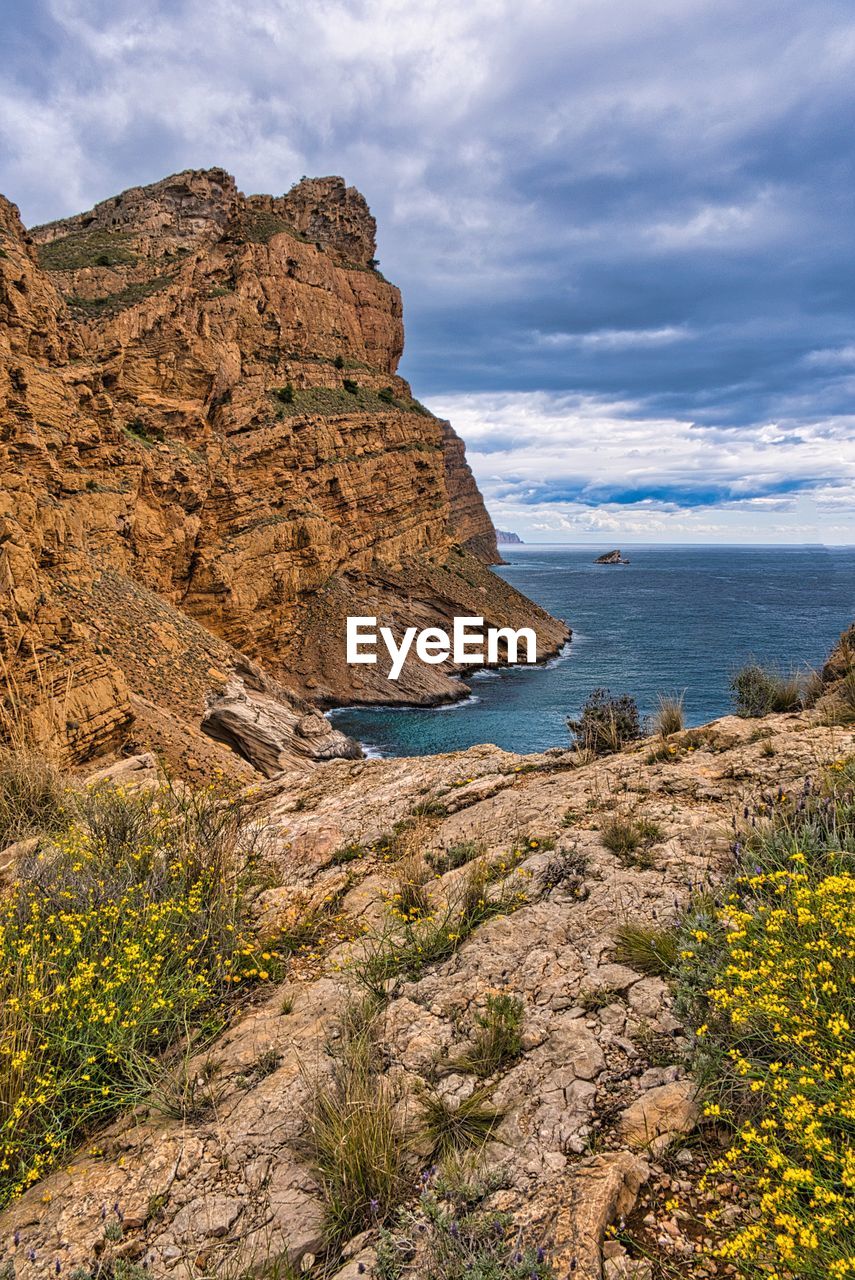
(644,208)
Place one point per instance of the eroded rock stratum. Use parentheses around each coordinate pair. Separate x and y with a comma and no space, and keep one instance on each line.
(207,458)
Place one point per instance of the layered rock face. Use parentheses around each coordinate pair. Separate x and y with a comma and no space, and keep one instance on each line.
(199,409)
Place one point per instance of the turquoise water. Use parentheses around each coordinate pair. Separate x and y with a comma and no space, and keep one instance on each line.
(675,619)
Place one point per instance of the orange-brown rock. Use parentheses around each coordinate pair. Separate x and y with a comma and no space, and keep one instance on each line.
(200,416)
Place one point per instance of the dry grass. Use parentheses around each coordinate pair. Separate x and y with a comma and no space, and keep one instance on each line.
(668,717)
(35,797)
(358,1136)
(844,697)
(457,1126)
(629,838)
(411,896)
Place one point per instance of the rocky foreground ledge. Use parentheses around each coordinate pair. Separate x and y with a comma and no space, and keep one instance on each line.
(592,1116)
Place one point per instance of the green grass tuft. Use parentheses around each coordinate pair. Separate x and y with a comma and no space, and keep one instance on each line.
(647,948)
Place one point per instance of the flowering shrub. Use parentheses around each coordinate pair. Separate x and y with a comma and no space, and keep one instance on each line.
(776,969)
(125,929)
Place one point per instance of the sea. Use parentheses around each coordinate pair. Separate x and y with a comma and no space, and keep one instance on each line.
(675,620)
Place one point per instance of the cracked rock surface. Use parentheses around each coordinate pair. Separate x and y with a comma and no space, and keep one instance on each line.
(585,1108)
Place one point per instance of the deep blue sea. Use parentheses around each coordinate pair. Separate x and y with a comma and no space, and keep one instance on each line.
(675,620)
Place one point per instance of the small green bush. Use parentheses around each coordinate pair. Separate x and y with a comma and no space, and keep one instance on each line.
(456,855)
(429,809)
(498,1036)
(607,722)
(348,853)
(350,385)
(141,430)
(761,691)
(595,998)
(629,838)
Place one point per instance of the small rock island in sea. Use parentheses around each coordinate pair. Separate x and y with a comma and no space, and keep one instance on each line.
(611,557)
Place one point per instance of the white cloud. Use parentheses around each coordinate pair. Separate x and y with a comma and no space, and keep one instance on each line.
(581,465)
(617,339)
(833,357)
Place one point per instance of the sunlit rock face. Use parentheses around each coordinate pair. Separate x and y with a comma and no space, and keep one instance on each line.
(201,422)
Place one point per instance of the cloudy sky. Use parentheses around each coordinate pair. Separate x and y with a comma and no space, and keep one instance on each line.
(623,228)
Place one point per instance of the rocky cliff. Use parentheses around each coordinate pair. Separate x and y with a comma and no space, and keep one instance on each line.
(208,459)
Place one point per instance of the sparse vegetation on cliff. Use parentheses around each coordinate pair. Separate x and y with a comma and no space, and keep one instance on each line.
(329,401)
(760,691)
(409,942)
(111,303)
(607,722)
(87,249)
(668,718)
